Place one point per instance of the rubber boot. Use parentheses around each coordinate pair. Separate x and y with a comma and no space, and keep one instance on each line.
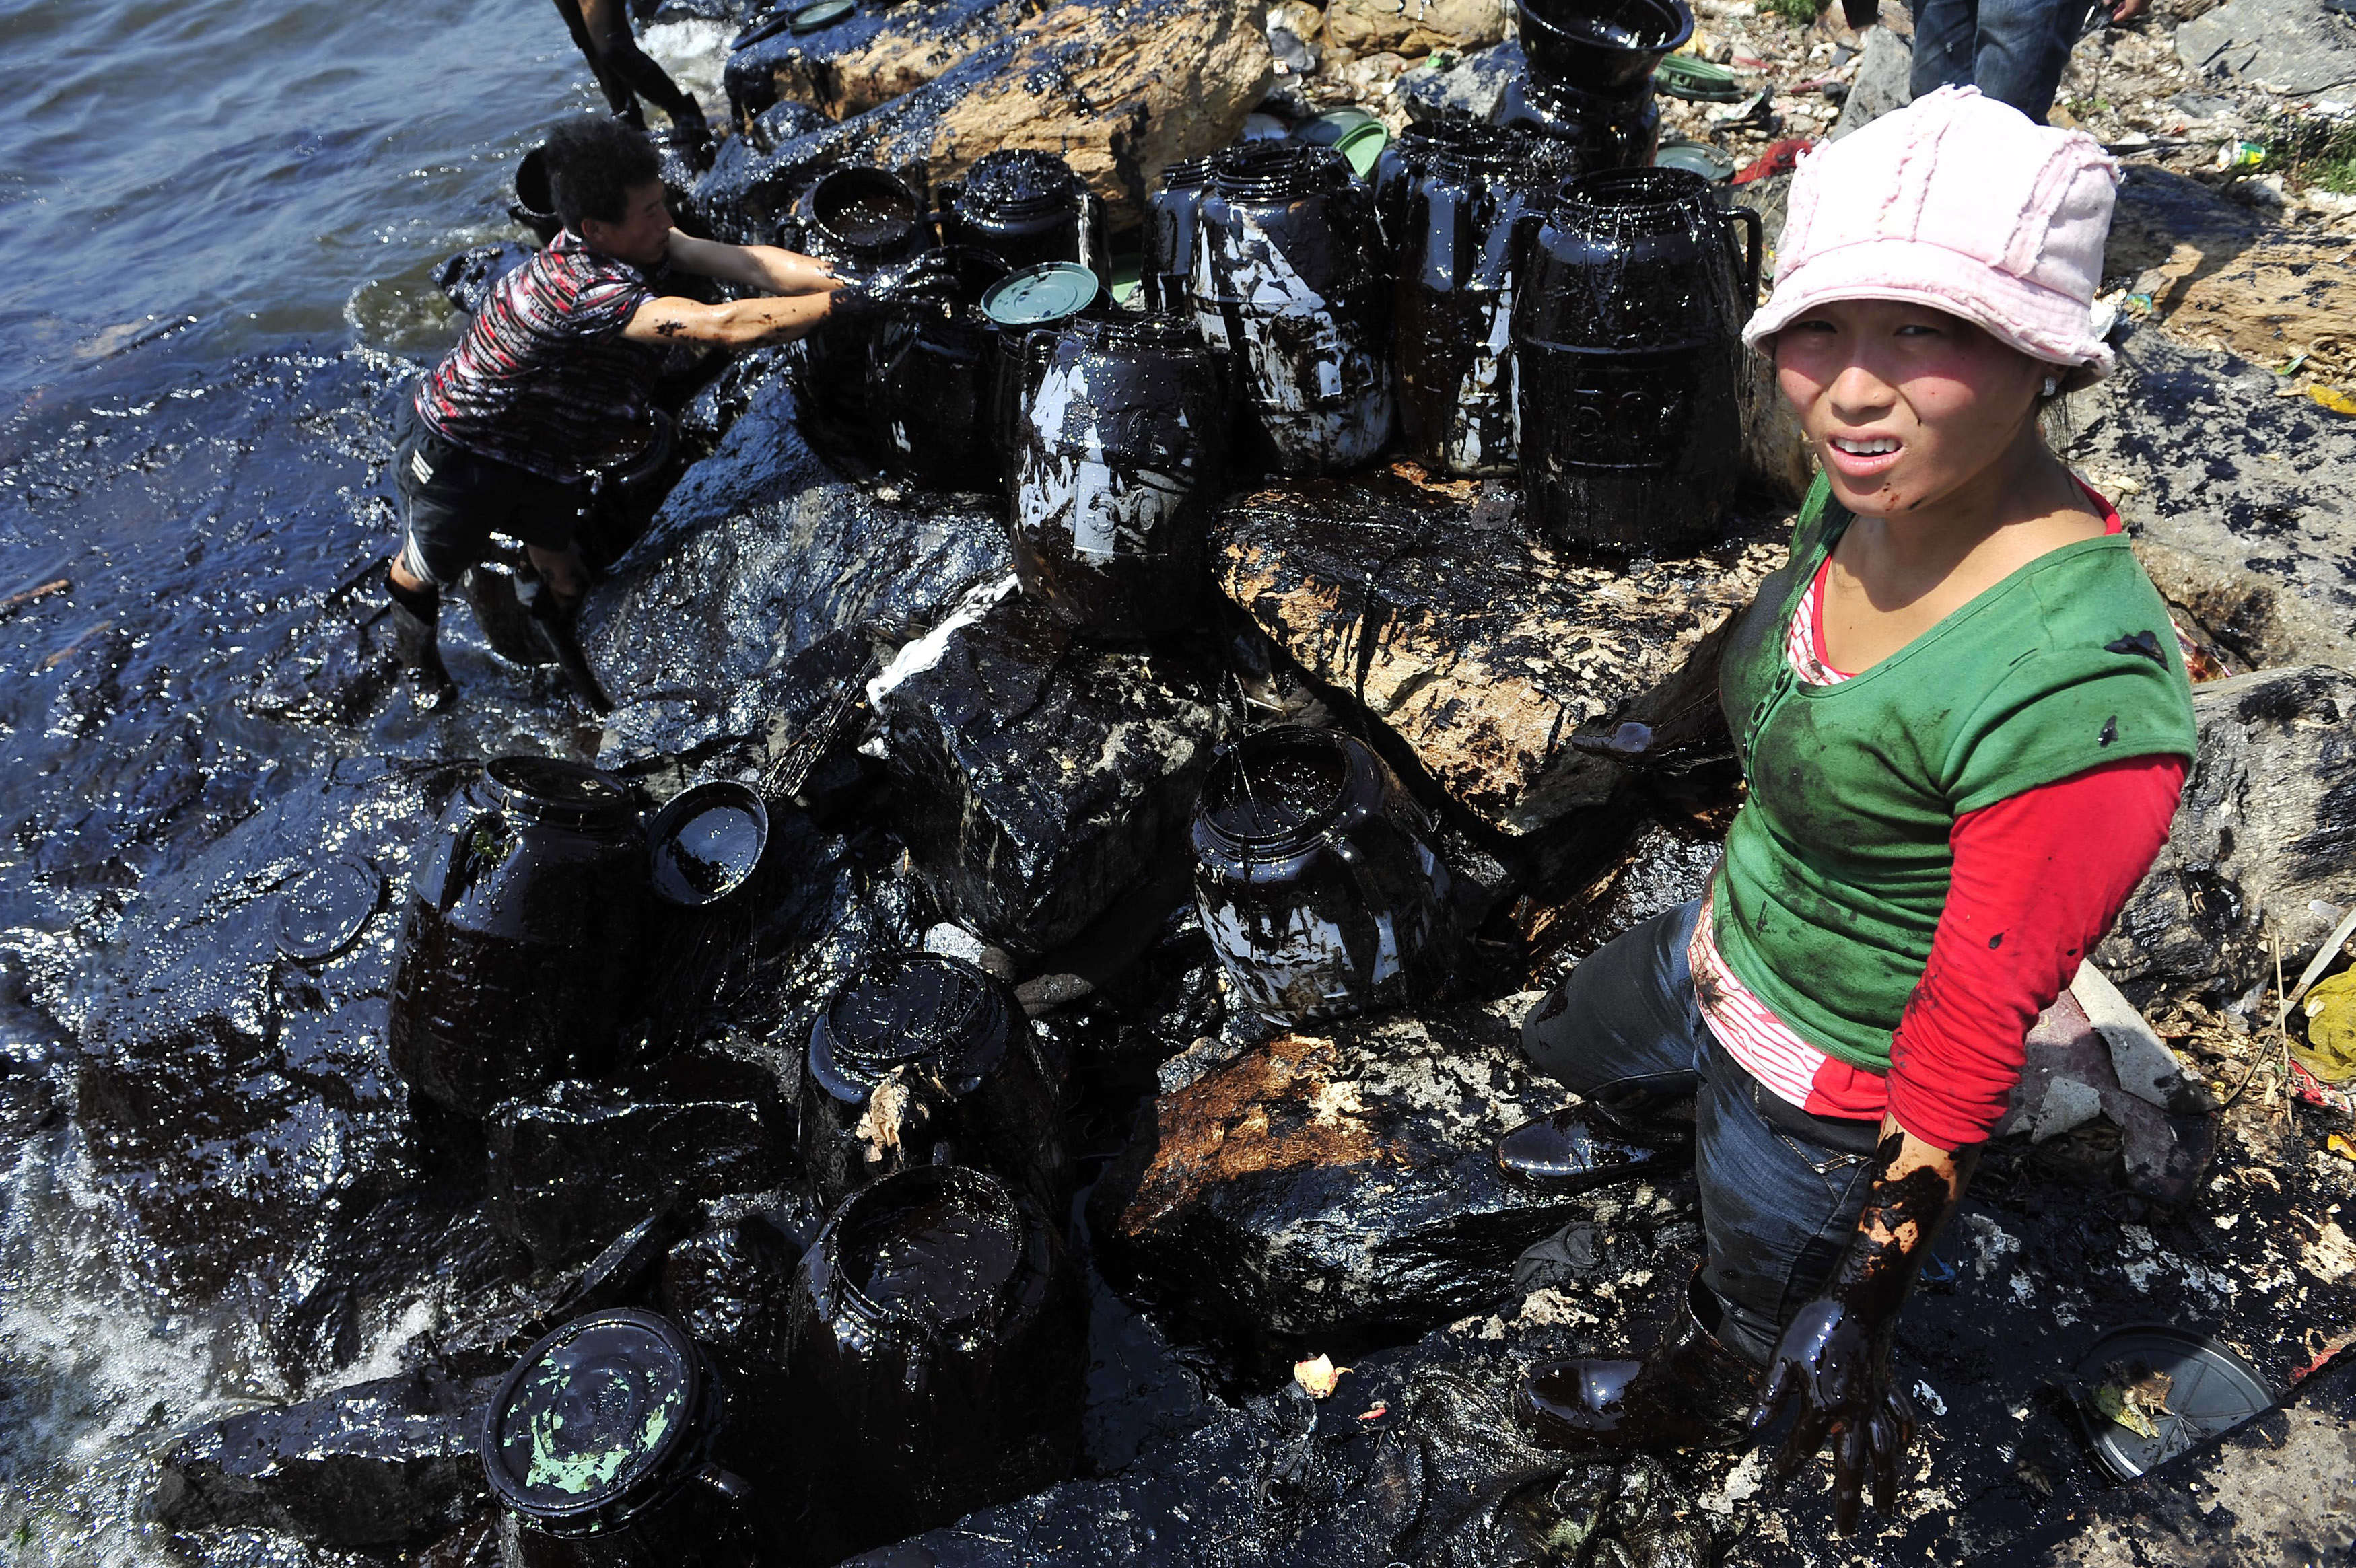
(555,620)
(416,642)
(1690,1391)
(1582,1147)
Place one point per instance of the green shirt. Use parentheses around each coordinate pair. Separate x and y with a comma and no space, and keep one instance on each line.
(1837,865)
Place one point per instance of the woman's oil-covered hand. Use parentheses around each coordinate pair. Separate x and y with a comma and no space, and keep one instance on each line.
(1831,1371)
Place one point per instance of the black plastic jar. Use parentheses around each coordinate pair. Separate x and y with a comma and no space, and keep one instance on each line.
(1170,221)
(929,370)
(1607,47)
(601,1448)
(1465,213)
(1026,207)
(861,220)
(1291,289)
(1122,468)
(1601,131)
(940,1342)
(965,1081)
(519,949)
(1316,879)
(1627,355)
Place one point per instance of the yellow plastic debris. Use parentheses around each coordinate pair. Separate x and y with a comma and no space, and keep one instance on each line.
(2330,1007)
(2341,1147)
(1317,1376)
(2332,398)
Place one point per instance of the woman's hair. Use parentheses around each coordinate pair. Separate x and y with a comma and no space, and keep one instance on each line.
(594,163)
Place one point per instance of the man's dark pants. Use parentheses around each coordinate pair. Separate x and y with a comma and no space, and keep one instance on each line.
(1781,1190)
(453,500)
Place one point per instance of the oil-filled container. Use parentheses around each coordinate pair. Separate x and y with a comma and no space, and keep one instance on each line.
(940,1342)
(929,369)
(1465,209)
(1170,221)
(1627,352)
(858,221)
(1028,311)
(1607,47)
(924,1058)
(1316,879)
(1027,207)
(1121,467)
(1600,132)
(519,950)
(1292,289)
(604,1449)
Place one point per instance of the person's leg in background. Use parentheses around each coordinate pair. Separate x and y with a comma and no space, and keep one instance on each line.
(2024,47)
(608,24)
(1946,43)
(440,537)
(618,96)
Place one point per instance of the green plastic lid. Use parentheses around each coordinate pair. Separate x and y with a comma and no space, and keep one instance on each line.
(1328,130)
(825,14)
(1036,295)
(1363,145)
(1699,157)
(1690,75)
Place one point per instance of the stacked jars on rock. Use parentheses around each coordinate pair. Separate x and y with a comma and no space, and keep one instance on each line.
(1291,286)
(1627,348)
(1462,211)
(1119,475)
(1316,879)
(518,962)
(1166,273)
(1590,78)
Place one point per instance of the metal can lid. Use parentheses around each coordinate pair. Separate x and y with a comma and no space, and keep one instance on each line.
(1036,295)
(824,14)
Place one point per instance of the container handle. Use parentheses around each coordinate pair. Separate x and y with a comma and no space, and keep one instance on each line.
(727,1483)
(1748,218)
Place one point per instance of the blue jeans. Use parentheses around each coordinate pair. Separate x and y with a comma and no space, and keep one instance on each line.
(2012,51)
(1781,1190)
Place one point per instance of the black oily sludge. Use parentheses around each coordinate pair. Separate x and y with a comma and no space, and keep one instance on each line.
(1027,207)
(604,1449)
(1316,879)
(1121,465)
(923,1057)
(930,371)
(1465,209)
(1290,287)
(940,1344)
(1627,346)
(1608,48)
(528,905)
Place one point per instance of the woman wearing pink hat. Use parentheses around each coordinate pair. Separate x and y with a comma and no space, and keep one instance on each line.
(1964,720)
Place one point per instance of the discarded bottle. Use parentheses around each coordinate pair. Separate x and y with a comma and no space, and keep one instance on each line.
(519,961)
(1465,211)
(1316,879)
(1172,214)
(1026,207)
(1627,346)
(602,1450)
(940,1342)
(1119,473)
(1606,47)
(1290,285)
(929,369)
(924,1058)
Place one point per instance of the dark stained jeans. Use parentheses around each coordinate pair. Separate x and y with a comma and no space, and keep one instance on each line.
(1780,1188)
(2013,51)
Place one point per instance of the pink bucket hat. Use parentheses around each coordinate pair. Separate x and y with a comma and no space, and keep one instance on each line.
(1960,203)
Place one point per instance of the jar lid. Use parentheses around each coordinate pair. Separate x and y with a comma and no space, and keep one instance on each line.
(587,1431)
(1328,130)
(1362,146)
(321,911)
(1700,157)
(2151,1391)
(824,14)
(1037,295)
